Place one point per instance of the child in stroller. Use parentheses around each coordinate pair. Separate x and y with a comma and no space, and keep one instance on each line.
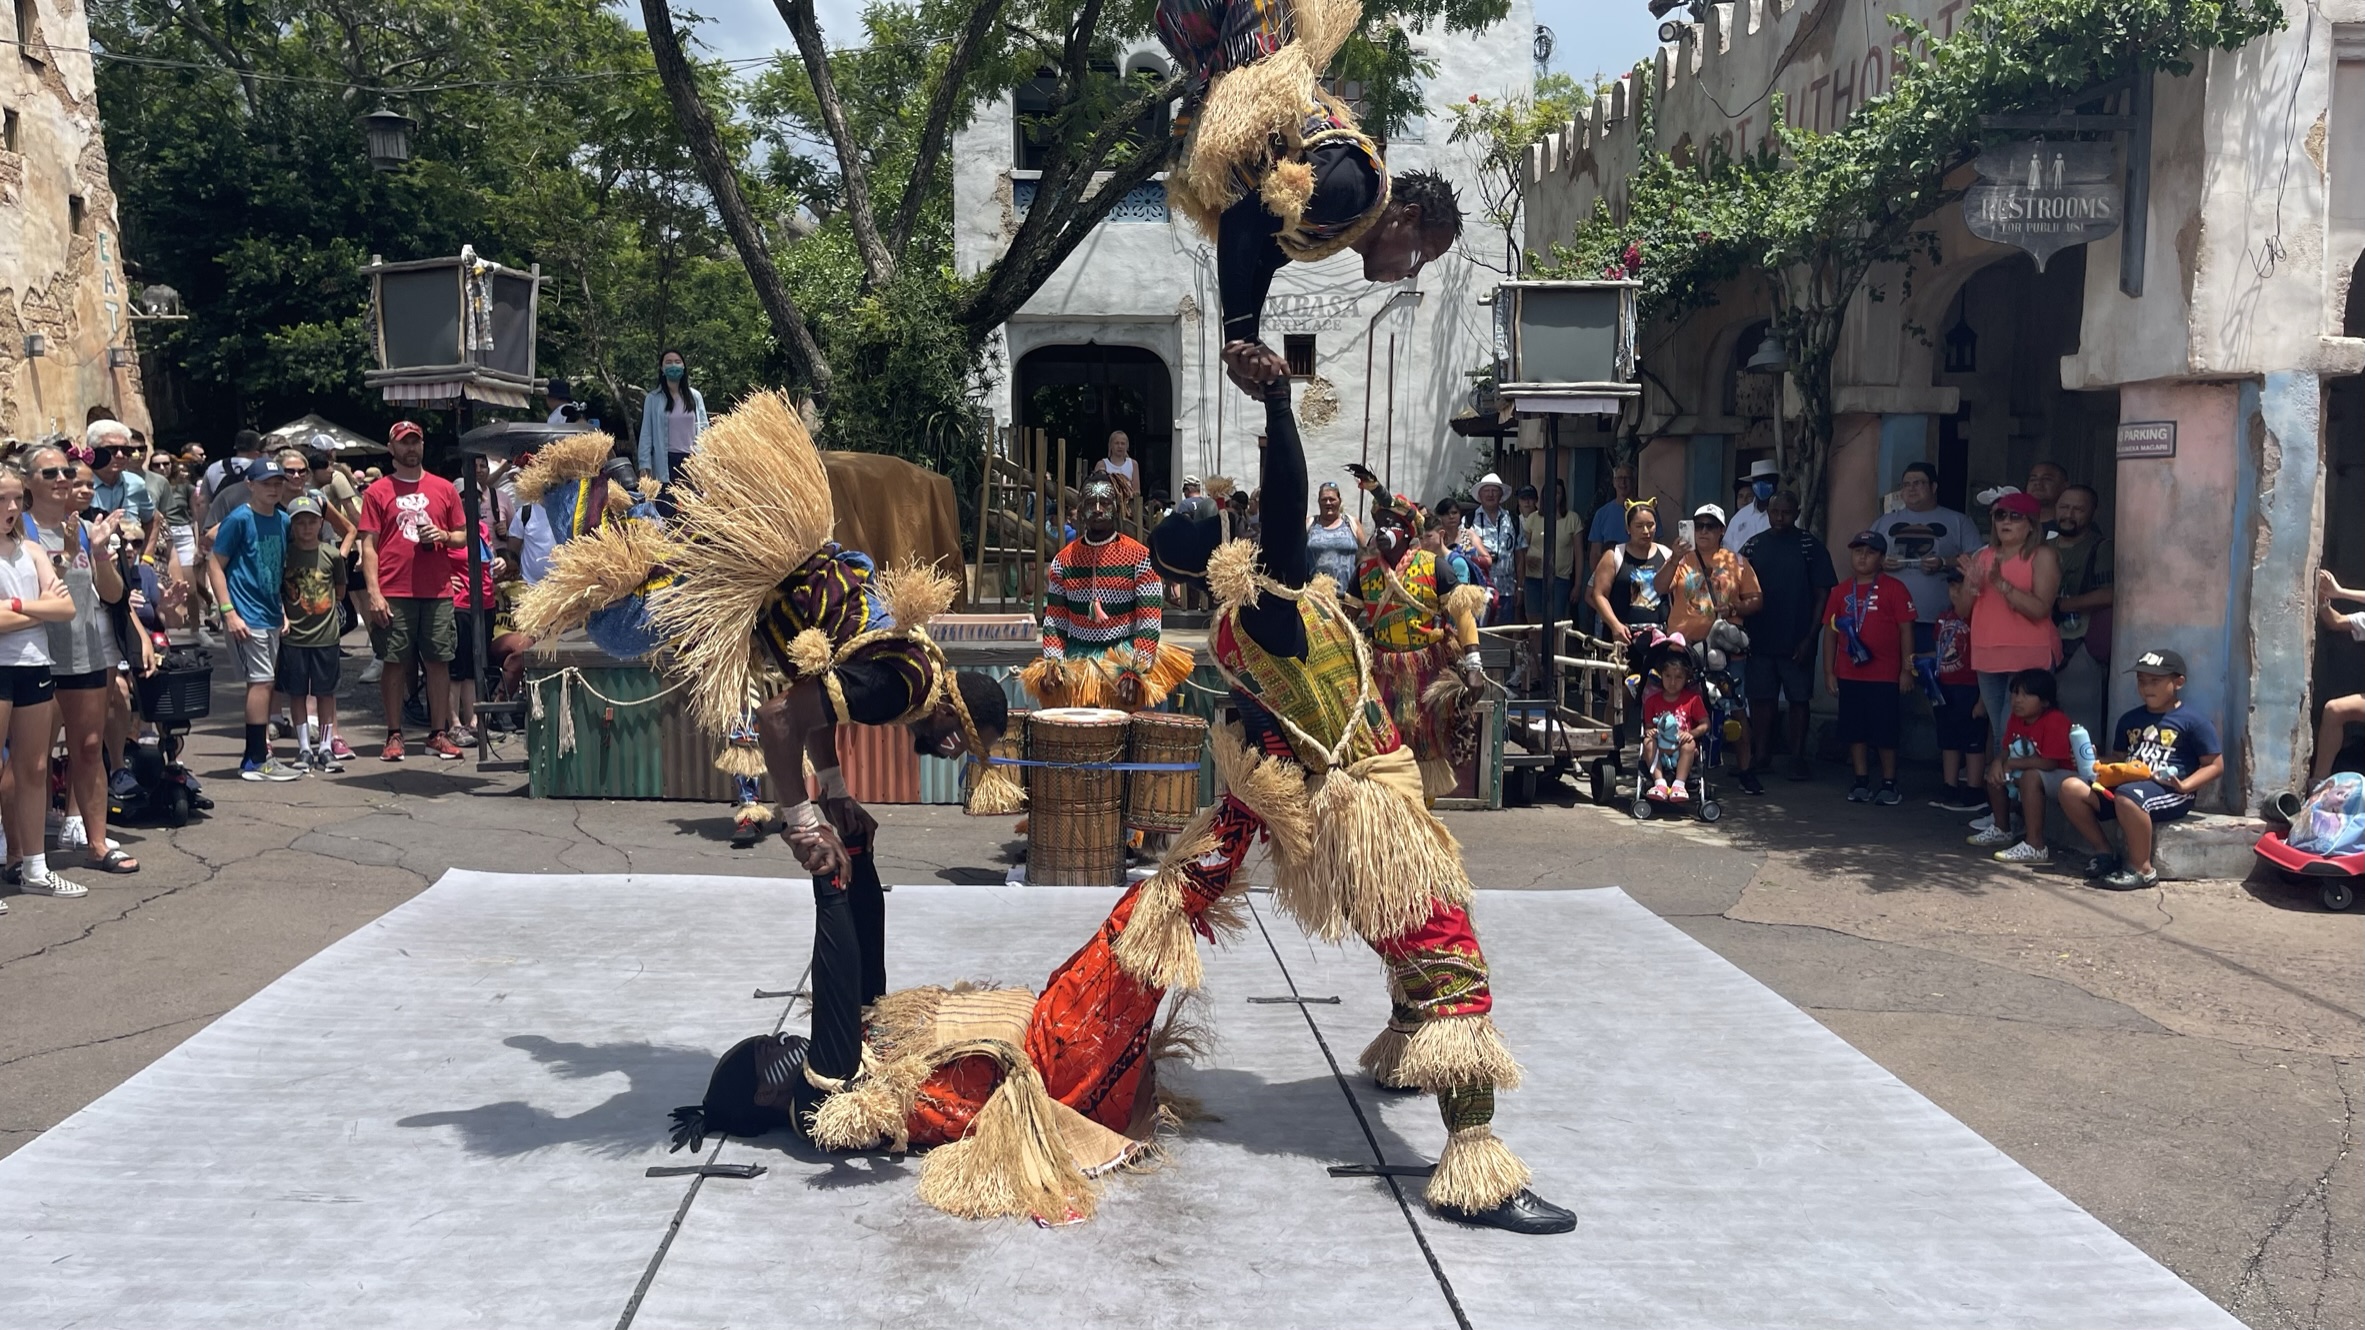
(1687,695)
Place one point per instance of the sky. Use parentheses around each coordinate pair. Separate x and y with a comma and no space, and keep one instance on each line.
(1590,36)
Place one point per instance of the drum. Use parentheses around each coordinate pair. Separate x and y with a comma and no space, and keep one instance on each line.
(1076,816)
(1163,801)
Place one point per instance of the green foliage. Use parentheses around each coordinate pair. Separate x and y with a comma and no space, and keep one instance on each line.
(1497,132)
(244,185)
(1813,214)
(1383,56)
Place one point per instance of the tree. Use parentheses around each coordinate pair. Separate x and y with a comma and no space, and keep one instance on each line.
(947,58)
(543,136)
(1815,216)
(1498,132)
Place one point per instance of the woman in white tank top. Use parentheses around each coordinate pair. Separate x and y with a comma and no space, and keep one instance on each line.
(31,598)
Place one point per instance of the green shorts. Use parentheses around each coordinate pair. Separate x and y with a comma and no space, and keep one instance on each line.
(421,628)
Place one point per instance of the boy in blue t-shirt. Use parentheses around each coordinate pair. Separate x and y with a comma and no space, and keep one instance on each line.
(2180,747)
(249,556)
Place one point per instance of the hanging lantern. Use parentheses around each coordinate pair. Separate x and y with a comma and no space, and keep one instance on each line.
(389,135)
(1962,345)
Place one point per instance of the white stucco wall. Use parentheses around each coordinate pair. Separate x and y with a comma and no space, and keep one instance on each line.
(1153,285)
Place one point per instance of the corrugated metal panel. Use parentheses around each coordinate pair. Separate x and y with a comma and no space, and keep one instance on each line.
(617,744)
(879,763)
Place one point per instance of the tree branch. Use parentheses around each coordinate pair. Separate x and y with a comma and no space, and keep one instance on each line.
(220,46)
(937,129)
(878,264)
(722,180)
(1058,222)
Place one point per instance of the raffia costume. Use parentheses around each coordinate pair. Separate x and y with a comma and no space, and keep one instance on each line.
(1258,113)
(1411,611)
(1318,766)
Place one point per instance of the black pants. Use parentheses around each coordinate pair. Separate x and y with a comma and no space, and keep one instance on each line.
(849,961)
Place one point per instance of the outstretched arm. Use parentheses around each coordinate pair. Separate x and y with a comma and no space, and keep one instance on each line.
(1272,622)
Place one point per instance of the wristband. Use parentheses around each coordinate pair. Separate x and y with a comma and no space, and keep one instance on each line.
(801,814)
(16,605)
(1471,660)
(832,781)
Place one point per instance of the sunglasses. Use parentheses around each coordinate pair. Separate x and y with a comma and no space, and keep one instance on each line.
(55,473)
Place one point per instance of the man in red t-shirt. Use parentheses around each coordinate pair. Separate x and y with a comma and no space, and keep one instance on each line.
(1868,663)
(410,525)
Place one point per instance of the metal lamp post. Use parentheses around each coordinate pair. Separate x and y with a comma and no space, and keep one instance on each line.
(1773,358)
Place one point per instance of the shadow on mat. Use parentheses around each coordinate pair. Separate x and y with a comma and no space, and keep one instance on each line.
(626,1123)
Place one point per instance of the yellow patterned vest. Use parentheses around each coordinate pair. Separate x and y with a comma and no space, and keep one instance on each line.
(1407,622)
(1316,694)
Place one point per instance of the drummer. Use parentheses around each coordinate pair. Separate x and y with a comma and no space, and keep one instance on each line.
(1103,615)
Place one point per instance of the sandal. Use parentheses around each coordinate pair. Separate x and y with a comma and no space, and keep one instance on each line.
(114,861)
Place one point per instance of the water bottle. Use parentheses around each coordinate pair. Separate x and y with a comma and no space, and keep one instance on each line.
(1926,669)
(2081,747)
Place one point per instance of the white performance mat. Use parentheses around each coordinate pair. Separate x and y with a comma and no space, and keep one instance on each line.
(443,1120)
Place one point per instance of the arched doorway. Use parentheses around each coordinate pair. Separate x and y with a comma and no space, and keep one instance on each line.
(1082,392)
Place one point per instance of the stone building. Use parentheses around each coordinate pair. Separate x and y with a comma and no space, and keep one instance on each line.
(66,340)
(2247,337)
(1127,333)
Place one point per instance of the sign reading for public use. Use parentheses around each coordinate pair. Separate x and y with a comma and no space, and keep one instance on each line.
(2044,197)
(2147,438)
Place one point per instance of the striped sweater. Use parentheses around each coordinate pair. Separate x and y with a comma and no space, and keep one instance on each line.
(1101,597)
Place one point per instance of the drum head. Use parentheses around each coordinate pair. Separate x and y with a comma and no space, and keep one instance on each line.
(1080,716)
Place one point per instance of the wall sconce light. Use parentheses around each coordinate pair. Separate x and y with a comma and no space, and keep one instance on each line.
(121,357)
(36,346)
(1962,344)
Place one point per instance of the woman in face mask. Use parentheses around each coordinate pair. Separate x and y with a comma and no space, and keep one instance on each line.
(673,415)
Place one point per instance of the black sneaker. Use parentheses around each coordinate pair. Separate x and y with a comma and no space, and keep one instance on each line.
(1960,799)
(1860,792)
(1887,796)
(1749,783)
(2101,866)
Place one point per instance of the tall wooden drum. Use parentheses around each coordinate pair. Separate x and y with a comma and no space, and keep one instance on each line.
(1076,814)
(1163,801)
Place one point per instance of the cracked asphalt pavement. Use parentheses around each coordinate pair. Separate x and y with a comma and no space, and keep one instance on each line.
(2183,1063)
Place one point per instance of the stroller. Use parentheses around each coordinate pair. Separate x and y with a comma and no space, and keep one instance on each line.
(153,785)
(1712,672)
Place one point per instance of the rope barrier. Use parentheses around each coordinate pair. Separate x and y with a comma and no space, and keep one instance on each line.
(1084,766)
(569,679)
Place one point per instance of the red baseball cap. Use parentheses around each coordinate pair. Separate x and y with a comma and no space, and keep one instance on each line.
(405,429)
(2019,505)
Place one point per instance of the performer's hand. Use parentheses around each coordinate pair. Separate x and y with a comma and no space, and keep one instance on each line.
(1473,672)
(852,821)
(819,850)
(1129,690)
(1253,365)
(1363,475)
